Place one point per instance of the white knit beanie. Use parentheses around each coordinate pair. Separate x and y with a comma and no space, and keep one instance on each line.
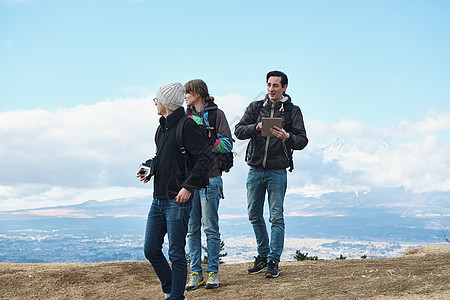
(171,95)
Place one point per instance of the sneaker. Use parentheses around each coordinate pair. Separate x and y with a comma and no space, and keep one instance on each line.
(272,269)
(195,281)
(213,281)
(260,264)
(167,296)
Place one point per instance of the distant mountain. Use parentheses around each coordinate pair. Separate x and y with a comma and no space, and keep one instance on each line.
(123,207)
(365,149)
(380,222)
(391,200)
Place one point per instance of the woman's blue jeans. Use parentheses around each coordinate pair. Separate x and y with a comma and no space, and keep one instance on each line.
(205,206)
(171,217)
(274,182)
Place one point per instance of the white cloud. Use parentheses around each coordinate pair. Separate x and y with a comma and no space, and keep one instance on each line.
(88,152)
(412,155)
(233,106)
(83,146)
(67,151)
(28,196)
(432,123)
(364,158)
(422,166)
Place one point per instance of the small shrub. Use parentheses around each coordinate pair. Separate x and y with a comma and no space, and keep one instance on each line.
(303,256)
(341,257)
(221,253)
(188,258)
(205,258)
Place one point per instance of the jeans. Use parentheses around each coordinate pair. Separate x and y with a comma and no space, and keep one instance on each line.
(274,182)
(171,217)
(205,206)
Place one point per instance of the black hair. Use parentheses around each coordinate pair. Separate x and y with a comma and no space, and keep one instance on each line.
(284,79)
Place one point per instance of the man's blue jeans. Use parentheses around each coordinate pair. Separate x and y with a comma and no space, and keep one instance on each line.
(171,217)
(205,206)
(274,182)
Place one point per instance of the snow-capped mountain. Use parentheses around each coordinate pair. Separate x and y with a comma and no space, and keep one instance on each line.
(364,148)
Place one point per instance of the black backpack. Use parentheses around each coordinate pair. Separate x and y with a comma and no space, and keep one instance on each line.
(225,160)
(179,138)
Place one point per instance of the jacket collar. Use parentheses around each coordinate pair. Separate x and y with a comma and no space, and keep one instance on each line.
(172,119)
(208,106)
(267,103)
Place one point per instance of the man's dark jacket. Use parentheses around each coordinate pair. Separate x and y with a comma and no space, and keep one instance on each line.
(270,152)
(171,172)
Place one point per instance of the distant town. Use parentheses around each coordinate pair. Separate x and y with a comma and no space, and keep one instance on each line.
(48,247)
(377,224)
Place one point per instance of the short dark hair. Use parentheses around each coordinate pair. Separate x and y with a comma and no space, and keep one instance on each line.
(284,79)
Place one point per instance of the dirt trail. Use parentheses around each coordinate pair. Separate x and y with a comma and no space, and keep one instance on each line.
(422,273)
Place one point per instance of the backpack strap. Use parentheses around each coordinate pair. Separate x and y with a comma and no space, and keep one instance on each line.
(257,112)
(179,137)
(212,116)
(288,128)
(288,117)
(158,130)
(179,134)
(157,133)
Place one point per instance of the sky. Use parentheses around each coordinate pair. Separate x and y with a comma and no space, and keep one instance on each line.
(77,79)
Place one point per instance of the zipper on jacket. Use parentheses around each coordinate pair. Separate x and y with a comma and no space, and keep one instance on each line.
(266,148)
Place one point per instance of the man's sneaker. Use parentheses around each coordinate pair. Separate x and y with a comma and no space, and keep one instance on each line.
(272,269)
(195,281)
(213,281)
(260,264)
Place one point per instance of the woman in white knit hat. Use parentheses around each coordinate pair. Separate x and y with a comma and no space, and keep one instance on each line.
(176,176)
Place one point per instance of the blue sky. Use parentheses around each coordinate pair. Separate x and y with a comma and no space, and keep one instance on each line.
(377,62)
(378,69)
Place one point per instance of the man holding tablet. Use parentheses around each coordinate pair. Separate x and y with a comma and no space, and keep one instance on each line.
(269,153)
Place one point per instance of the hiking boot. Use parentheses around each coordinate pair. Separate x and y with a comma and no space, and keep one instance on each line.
(213,281)
(272,269)
(260,264)
(195,281)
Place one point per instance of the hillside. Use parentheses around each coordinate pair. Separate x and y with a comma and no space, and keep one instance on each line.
(422,273)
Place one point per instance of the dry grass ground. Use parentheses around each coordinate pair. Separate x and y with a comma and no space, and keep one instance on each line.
(422,273)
